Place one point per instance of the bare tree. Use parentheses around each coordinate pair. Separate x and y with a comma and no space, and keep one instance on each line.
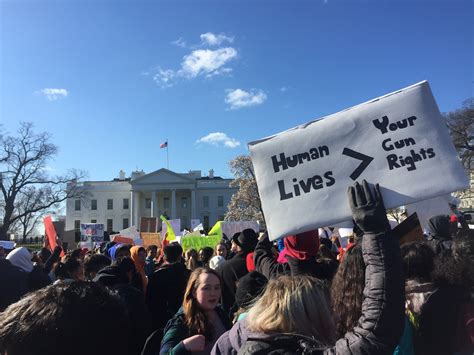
(26,188)
(461,126)
(245,204)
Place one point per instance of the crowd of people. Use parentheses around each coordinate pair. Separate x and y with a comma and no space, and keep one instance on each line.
(305,294)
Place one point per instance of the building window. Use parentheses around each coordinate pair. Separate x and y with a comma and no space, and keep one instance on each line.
(125,203)
(110,204)
(125,223)
(220,201)
(205,222)
(166,202)
(148,203)
(93,221)
(77,226)
(205,201)
(110,225)
(77,205)
(184,222)
(221,217)
(184,202)
(94,205)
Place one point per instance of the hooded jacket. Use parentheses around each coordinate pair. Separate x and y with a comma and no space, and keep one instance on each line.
(439,231)
(231,341)
(381,324)
(21,258)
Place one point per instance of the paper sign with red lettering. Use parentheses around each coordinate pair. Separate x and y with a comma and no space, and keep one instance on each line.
(399,140)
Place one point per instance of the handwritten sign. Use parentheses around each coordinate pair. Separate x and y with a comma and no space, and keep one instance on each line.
(198,242)
(399,140)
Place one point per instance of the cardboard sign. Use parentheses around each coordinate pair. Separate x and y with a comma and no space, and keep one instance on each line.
(409,230)
(120,239)
(149,224)
(151,239)
(399,140)
(198,242)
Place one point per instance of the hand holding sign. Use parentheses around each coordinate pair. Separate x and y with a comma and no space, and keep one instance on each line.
(368,210)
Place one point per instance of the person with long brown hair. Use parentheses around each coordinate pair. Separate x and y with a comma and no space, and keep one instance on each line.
(200,321)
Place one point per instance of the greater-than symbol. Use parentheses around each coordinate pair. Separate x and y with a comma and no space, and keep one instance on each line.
(366,160)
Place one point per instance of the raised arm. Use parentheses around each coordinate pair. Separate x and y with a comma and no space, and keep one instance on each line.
(380,327)
(265,262)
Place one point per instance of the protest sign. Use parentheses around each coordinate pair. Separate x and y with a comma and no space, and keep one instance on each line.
(149,224)
(409,230)
(399,140)
(195,223)
(92,231)
(50,231)
(429,208)
(121,239)
(199,242)
(151,239)
(229,228)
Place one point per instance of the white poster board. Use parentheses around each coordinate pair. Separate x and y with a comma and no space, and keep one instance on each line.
(399,140)
(175,224)
(195,223)
(430,208)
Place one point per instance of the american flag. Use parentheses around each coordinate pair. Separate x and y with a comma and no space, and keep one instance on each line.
(164,145)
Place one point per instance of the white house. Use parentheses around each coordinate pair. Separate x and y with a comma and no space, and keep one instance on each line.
(121,202)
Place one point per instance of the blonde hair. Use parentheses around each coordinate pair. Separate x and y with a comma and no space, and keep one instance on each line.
(294,304)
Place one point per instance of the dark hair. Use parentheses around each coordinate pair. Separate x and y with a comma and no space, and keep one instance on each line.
(95,262)
(206,255)
(150,248)
(65,269)
(125,265)
(417,260)
(347,290)
(454,267)
(44,254)
(53,317)
(173,252)
(195,318)
(76,254)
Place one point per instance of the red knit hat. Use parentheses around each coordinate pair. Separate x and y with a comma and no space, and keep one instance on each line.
(302,246)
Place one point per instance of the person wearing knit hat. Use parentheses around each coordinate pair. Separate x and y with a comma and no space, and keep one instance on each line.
(249,288)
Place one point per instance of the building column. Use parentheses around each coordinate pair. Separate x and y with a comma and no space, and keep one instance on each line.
(193,203)
(154,204)
(173,203)
(134,211)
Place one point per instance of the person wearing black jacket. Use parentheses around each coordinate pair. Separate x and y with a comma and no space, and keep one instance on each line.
(233,269)
(380,326)
(166,286)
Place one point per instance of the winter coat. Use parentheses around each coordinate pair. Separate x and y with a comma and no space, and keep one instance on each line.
(268,266)
(13,284)
(176,331)
(140,319)
(381,324)
(231,341)
(231,271)
(165,292)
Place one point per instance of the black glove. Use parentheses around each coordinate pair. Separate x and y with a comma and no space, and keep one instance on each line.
(368,210)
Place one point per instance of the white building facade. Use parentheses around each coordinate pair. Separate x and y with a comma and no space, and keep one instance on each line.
(119,204)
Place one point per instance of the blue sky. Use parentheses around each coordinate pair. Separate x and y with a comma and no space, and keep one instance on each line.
(111,80)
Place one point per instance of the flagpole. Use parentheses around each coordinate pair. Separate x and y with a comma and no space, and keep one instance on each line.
(167,157)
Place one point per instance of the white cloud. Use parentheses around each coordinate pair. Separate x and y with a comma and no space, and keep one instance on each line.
(211,39)
(199,62)
(164,78)
(239,98)
(53,94)
(219,139)
(284,89)
(206,61)
(180,42)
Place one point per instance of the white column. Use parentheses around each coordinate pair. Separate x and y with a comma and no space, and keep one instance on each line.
(173,203)
(135,209)
(193,203)
(154,203)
